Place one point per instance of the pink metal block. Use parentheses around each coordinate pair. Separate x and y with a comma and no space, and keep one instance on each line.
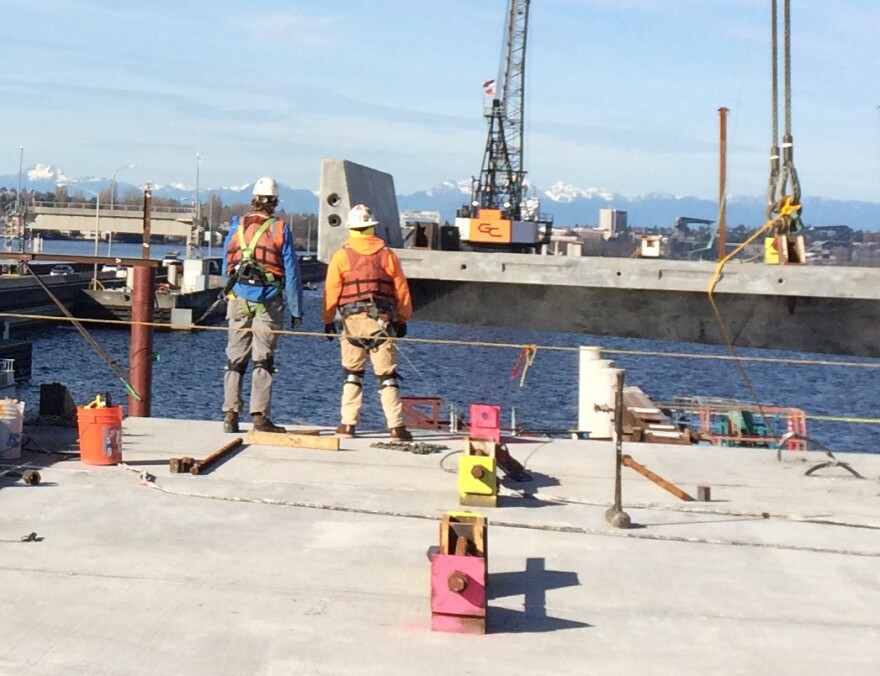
(447,574)
(485,422)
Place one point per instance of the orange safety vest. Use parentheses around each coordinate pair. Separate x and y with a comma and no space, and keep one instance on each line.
(266,250)
(367,280)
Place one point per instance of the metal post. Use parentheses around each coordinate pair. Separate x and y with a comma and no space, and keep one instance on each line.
(141,350)
(18,204)
(148,208)
(615,514)
(97,236)
(722,186)
(210,222)
(113,186)
(141,354)
(309,234)
(198,216)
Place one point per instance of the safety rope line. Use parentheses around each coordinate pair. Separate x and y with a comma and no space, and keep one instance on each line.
(532,349)
(844,419)
(149,481)
(68,316)
(454,342)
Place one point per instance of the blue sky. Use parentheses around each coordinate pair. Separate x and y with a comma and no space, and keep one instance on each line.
(620,94)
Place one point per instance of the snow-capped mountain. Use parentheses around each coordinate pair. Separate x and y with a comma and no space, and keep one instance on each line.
(568,204)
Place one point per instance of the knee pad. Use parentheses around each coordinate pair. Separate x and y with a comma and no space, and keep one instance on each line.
(389,380)
(267,364)
(355,378)
(239,368)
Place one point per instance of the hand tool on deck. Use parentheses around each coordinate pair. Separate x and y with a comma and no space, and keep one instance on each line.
(204,465)
(657,479)
(30,476)
(186,463)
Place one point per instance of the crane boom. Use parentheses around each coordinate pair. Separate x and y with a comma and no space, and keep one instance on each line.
(513,90)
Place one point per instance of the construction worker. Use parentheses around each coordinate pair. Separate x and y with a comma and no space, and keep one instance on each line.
(365,283)
(260,262)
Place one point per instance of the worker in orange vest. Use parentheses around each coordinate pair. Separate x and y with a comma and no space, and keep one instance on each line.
(365,283)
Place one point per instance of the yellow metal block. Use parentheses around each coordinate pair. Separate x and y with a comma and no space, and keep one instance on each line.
(771,250)
(477,480)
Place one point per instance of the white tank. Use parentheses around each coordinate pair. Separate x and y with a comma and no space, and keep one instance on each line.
(597,383)
(174,274)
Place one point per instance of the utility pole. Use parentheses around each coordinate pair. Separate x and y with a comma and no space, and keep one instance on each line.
(722,185)
(18,202)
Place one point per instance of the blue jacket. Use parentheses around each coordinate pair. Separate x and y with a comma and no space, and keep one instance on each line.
(292,279)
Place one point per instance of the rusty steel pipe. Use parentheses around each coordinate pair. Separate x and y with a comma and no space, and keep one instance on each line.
(657,479)
(141,351)
(207,463)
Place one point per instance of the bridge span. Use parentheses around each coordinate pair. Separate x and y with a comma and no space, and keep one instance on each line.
(83,219)
(827,309)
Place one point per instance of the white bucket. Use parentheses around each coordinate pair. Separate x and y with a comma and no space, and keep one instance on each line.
(11,424)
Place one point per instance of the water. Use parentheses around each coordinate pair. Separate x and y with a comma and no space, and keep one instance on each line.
(116,249)
(187,378)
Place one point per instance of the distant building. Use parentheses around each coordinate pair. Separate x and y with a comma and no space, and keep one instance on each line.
(611,222)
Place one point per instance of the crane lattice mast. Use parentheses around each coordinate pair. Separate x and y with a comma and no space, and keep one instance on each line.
(500,185)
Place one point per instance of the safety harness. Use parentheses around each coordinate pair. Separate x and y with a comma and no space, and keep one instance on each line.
(248,270)
(384,316)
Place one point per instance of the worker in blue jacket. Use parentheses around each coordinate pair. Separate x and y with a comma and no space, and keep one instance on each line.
(260,270)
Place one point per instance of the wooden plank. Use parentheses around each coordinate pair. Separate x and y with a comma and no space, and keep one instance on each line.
(293,440)
(445,527)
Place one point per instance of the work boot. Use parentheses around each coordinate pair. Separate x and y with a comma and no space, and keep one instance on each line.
(401,434)
(230,422)
(263,424)
(345,432)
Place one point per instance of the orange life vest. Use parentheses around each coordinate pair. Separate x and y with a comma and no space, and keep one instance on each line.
(266,250)
(368,281)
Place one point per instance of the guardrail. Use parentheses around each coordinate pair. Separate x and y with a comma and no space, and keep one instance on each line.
(116,207)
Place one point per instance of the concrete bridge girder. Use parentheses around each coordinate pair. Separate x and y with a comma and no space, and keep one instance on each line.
(828,309)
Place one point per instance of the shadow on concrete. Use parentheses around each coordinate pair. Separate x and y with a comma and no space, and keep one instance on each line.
(538,480)
(41,447)
(533,583)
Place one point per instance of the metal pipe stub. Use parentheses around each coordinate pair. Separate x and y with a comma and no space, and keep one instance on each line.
(457,582)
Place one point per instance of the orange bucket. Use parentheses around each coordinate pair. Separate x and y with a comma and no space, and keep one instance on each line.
(100,435)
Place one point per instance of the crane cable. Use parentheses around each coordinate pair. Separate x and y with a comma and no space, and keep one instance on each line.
(782,208)
(102,353)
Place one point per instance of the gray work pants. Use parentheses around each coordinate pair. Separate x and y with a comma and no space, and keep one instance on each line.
(259,346)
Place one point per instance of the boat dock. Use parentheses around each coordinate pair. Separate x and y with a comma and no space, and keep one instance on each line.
(298,561)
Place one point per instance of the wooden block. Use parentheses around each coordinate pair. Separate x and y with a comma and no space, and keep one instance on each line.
(479,447)
(293,440)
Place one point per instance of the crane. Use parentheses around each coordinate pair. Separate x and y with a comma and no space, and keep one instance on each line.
(499,217)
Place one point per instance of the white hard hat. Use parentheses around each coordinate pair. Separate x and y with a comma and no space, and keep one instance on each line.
(266,187)
(360,216)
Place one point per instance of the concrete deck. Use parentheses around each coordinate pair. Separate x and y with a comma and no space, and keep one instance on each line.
(288,561)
